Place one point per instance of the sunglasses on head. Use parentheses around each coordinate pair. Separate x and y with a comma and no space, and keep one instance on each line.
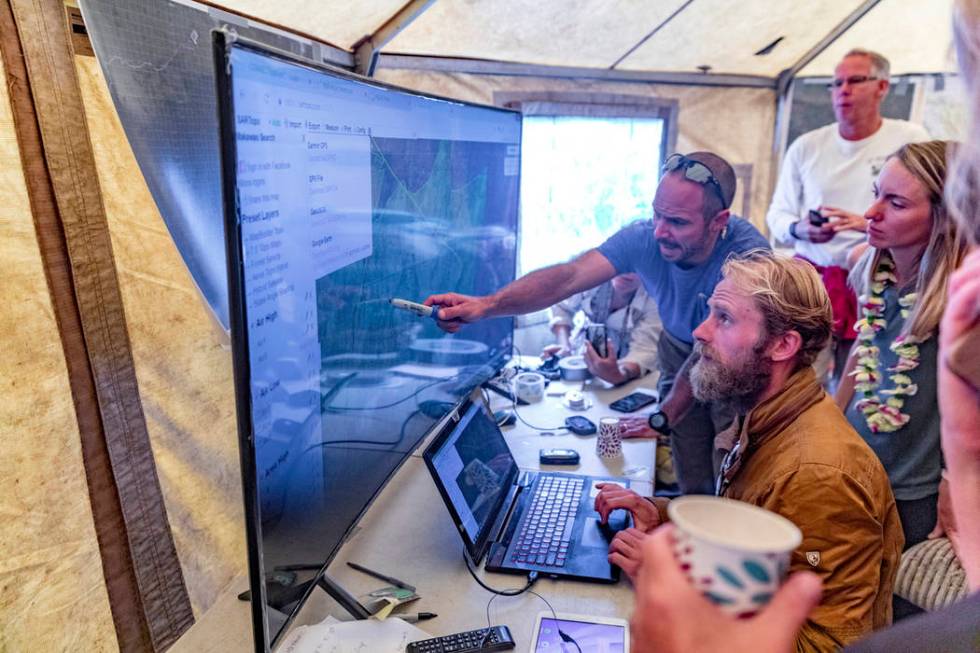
(694,171)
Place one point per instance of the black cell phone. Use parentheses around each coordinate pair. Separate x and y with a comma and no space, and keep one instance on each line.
(817,219)
(634,401)
(596,333)
(558,457)
(580,425)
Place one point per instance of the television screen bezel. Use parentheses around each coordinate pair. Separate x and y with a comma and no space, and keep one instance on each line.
(223,41)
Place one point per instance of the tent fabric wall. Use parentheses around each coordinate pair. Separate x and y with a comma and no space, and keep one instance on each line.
(680,35)
(591,33)
(142,574)
(722,34)
(736,123)
(916,37)
(49,556)
(184,372)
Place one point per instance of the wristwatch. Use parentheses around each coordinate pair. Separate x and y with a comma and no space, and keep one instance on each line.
(792,230)
(658,422)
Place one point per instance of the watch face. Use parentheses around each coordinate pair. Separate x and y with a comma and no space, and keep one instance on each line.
(658,421)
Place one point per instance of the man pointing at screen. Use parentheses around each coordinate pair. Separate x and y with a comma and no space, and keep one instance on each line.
(678,256)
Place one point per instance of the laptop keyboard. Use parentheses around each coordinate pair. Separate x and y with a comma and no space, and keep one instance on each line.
(547,526)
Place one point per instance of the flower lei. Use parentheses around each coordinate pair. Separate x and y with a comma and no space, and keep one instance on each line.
(887,416)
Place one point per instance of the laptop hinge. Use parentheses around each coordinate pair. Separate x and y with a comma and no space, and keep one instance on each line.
(512,500)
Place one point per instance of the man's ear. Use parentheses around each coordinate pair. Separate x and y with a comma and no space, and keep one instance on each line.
(883,86)
(785,347)
(720,220)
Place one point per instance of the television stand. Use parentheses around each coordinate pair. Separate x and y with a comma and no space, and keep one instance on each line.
(282,591)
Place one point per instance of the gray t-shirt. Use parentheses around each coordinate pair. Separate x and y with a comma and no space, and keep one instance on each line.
(680,293)
(911,455)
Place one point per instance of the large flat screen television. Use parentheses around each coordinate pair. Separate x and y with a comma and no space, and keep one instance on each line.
(341,193)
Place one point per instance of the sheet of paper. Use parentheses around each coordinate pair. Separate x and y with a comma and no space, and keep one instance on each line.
(361,636)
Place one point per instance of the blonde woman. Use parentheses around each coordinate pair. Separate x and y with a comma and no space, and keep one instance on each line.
(889,395)
(670,614)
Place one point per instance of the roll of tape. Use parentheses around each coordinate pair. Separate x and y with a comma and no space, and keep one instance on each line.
(529,386)
(573,368)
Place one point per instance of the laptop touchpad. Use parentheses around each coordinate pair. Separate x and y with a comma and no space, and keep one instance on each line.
(592,534)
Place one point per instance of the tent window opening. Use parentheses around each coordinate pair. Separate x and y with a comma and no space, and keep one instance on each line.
(582,179)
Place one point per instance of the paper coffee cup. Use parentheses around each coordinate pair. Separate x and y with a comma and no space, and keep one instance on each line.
(529,386)
(609,443)
(735,553)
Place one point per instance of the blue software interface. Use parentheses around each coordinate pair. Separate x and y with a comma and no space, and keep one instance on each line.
(476,468)
(350,194)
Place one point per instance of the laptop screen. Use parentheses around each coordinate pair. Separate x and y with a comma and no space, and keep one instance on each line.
(475,469)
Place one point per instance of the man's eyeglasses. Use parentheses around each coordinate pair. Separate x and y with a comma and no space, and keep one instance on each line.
(852,81)
(694,171)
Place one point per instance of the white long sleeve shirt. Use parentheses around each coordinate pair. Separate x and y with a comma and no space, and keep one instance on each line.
(823,169)
(638,322)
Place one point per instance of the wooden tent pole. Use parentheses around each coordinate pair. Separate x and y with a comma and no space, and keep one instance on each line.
(148,599)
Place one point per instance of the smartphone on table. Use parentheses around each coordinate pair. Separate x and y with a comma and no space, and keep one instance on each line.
(558,457)
(634,401)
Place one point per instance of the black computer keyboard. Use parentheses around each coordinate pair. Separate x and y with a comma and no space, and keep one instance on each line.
(547,526)
(473,641)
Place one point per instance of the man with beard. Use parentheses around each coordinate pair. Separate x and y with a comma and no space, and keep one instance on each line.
(790,450)
(678,256)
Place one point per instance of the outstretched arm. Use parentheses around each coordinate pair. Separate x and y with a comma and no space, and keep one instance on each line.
(532,292)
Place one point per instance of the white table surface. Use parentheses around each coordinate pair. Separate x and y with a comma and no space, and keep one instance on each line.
(408,533)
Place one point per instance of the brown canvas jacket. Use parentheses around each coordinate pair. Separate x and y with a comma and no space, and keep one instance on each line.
(800,458)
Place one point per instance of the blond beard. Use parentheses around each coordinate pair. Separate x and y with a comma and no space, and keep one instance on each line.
(739,385)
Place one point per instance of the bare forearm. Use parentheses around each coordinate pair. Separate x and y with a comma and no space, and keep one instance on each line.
(547,286)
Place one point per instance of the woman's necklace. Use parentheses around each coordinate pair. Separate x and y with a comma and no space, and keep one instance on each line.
(884,416)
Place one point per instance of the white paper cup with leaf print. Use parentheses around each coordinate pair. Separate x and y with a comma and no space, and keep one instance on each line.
(609,444)
(735,553)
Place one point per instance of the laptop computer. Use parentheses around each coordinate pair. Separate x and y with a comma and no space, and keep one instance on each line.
(522,521)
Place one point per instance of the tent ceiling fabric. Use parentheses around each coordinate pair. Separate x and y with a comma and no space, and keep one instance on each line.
(725,35)
(339,22)
(914,34)
(585,33)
